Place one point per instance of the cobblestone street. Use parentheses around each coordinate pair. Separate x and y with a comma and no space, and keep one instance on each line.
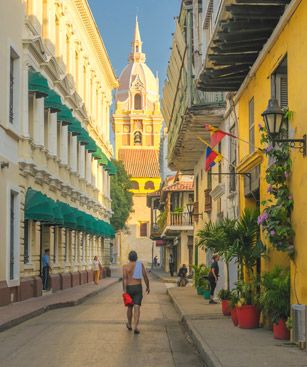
(94,334)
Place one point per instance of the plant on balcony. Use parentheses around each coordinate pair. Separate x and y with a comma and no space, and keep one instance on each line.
(161,220)
(276,216)
(178,211)
(275,299)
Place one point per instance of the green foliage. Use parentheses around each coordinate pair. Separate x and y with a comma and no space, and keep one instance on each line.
(161,220)
(247,293)
(122,202)
(234,297)
(178,210)
(276,216)
(224,294)
(199,272)
(275,294)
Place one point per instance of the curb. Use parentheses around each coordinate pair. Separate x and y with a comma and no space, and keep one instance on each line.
(162,279)
(53,306)
(207,354)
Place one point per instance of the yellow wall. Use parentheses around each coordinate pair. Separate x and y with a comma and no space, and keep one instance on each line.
(291,42)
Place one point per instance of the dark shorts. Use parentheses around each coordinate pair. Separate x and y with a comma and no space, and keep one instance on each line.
(136,293)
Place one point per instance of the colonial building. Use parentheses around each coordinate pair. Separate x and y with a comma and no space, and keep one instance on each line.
(137,123)
(55,154)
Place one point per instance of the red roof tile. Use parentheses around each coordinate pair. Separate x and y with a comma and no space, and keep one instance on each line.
(140,162)
(180,186)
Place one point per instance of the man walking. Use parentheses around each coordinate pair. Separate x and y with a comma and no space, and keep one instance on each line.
(132,284)
(171,264)
(46,268)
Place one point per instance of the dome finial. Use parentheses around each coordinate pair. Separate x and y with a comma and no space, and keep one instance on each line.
(136,52)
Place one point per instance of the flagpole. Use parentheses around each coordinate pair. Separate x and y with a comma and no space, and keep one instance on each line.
(209,146)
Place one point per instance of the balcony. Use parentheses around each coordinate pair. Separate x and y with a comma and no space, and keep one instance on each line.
(155,231)
(175,223)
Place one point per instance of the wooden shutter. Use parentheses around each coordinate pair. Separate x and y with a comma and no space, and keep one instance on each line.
(143,230)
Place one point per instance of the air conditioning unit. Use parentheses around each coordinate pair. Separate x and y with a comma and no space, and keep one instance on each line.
(299,322)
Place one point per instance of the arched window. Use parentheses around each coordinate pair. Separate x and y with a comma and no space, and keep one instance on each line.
(149,185)
(137,138)
(138,102)
(135,185)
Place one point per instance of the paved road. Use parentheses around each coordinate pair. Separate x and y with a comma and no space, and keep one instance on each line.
(94,334)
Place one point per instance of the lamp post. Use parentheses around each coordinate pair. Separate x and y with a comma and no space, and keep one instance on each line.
(273,118)
(190,208)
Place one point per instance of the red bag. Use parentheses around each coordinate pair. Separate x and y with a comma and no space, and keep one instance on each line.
(127,299)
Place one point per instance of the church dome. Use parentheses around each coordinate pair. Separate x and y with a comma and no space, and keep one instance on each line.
(137,76)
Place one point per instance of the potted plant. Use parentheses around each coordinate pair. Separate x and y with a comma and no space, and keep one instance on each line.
(275,300)
(234,299)
(206,288)
(198,273)
(224,295)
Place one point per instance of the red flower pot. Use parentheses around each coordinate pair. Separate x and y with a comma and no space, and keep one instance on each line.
(281,331)
(234,316)
(226,307)
(248,317)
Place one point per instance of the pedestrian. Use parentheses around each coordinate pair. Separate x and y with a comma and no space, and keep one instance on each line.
(46,269)
(213,276)
(133,273)
(96,269)
(171,264)
(155,261)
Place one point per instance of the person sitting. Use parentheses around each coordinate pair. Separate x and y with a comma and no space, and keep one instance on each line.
(182,274)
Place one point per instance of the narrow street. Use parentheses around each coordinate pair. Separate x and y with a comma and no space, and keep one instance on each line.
(94,334)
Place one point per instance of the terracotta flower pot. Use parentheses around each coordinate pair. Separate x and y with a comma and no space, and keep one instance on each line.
(248,317)
(226,307)
(281,331)
(234,316)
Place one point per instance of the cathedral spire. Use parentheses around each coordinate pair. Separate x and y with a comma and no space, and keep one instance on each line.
(136,54)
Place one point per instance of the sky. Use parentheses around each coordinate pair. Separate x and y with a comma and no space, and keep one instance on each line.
(116,21)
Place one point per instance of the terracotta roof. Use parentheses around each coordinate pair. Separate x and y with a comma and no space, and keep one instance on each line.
(180,186)
(140,162)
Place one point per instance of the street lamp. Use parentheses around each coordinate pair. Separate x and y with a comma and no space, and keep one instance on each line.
(190,208)
(273,118)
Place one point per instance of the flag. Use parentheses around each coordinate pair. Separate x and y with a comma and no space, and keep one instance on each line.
(217,135)
(212,157)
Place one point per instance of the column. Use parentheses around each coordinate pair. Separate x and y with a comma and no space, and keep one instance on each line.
(81,167)
(52,136)
(106,252)
(38,121)
(99,174)
(88,167)
(64,144)
(25,96)
(73,153)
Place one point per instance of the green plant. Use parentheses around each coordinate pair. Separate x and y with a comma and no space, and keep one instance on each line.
(224,294)
(275,294)
(178,210)
(276,216)
(247,293)
(234,297)
(161,220)
(204,284)
(199,272)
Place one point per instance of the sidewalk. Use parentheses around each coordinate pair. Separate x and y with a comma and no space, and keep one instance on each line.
(19,312)
(162,275)
(223,345)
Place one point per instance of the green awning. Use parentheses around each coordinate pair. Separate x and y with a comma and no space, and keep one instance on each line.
(68,214)
(83,138)
(41,208)
(91,146)
(65,116)
(38,207)
(53,102)
(80,219)
(110,230)
(89,223)
(75,127)
(37,84)
(97,154)
(111,168)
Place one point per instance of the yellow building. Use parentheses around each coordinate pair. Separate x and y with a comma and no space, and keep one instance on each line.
(273,68)
(137,122)
(55,154)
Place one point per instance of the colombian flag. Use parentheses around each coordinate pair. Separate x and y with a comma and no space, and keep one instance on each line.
(217,135)
(212,157)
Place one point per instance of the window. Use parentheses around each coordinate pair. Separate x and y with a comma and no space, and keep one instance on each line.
(26,251)
(232,161)
(279,84)
(251,122)
(209,180)
(46,128)
(13,86)
(13,234)
(143,229)
(149,185)
(137,138)
(134,185)
(137,102)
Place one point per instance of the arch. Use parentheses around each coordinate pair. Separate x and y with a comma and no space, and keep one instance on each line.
(137,138)
(135,185)
(149,185)
(138,101)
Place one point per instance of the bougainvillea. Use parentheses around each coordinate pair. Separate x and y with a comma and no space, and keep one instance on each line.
(276,216)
